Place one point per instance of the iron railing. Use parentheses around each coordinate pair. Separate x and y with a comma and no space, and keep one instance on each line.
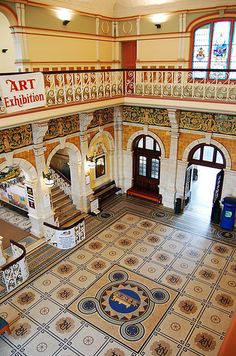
(77,87)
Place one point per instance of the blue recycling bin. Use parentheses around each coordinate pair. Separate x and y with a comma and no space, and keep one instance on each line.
(228,213)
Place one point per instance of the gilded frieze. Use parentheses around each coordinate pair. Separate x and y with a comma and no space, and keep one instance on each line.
(102,117)
(146,116)
(62,126)
(14,138)
(206,122)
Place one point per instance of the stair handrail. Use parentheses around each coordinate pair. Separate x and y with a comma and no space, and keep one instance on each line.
(16,271)
(65,237)
(61,181)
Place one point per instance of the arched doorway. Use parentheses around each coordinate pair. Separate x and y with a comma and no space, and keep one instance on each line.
(204,178)
(146,165)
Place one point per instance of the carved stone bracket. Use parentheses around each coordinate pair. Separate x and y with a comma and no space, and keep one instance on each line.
(84,120)
(39,131)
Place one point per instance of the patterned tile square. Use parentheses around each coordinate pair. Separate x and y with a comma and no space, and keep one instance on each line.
(83,279)
(161,345)
(65,325)
(184,266)
(64,269)
(131,261)
(130,219)
(9,313)
(26,298)
(65,293)
(81,257)
(207,274)
(214,261)
(213,318)
(113,253)
(163,230)
(228,283)
(188,307)
(108,235)
(88,340)
(136,233)
(46,282)
(204,342)
(22,330)
(98,265)
(175,327)
(151,270)
(43,311)
(198,290)
(143,249)
(41,344)
(223,300)
(125,243)
(163,257)
(120,306)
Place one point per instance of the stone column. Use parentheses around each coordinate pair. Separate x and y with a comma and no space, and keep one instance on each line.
(229,184)
(75,173)
(128,172)
(41,209)
(180,179)
(20,38)
(86,190)
(118,154)
(169,167)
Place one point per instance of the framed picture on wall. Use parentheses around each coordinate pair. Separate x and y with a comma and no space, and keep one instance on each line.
(100,166)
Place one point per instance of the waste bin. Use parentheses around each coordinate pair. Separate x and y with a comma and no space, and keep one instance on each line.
(228,213)
(178,206)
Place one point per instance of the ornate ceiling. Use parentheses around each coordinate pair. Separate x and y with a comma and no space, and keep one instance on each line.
(122,8)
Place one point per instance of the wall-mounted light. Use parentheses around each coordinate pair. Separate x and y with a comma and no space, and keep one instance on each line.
(65,22)
(47,177)
(158,19)
(90,161)
(65,15)
(4,50)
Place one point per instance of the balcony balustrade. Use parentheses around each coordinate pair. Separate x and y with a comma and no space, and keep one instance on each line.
(65,88)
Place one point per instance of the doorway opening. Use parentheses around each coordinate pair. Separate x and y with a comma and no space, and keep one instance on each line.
(202,190)
(204,180)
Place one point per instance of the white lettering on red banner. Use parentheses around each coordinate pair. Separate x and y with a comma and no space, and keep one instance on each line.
(22,91)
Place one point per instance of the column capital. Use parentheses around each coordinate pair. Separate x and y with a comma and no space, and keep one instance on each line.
(84,120)
(173,115)
(39,131)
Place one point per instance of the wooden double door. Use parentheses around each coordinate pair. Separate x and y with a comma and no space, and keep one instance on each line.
(146,165)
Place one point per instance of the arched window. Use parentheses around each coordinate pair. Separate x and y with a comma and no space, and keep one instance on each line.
(207,155)
(214,47)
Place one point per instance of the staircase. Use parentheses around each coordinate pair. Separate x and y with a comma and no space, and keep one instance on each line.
(65,211)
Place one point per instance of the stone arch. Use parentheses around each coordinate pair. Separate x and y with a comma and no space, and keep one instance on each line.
(27,168)
(107,135)
(10,14)
(74,152)
(149,133)
(206,141)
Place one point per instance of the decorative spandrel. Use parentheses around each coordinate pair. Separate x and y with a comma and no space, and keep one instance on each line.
(102,117)
(146,116)
(62,126)
(16,137)
(208,122)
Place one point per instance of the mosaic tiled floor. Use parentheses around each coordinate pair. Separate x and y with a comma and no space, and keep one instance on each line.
(15,218)
(135,287)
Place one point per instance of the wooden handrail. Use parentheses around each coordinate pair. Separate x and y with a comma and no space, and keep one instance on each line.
(8,265)
(63,228)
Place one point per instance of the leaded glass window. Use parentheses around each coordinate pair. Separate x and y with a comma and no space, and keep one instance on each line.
(155,168)
(215,48)
(142,166)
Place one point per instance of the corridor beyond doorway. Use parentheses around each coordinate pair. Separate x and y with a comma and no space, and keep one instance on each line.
(202,191)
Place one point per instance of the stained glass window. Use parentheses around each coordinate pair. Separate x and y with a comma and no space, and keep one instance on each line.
(215,48)
(201,50)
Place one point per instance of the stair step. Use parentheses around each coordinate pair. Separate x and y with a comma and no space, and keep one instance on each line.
(61,202)
(68,218)
(60,208)
(56,193)
(62,216)
(64,209)
(74,220)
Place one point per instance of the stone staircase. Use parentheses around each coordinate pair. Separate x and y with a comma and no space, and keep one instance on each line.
(65,211)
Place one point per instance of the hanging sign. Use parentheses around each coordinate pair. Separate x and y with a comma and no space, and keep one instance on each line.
(22,91)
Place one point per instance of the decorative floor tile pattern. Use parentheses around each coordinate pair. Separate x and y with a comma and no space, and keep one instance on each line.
(155,249)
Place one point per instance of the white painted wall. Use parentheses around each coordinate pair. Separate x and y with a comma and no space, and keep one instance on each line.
(7,60)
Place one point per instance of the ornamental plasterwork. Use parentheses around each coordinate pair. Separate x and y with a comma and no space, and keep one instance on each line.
(14,138)
(217,123)
(62,126)
(102,117)
(99,150)
(146,116)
